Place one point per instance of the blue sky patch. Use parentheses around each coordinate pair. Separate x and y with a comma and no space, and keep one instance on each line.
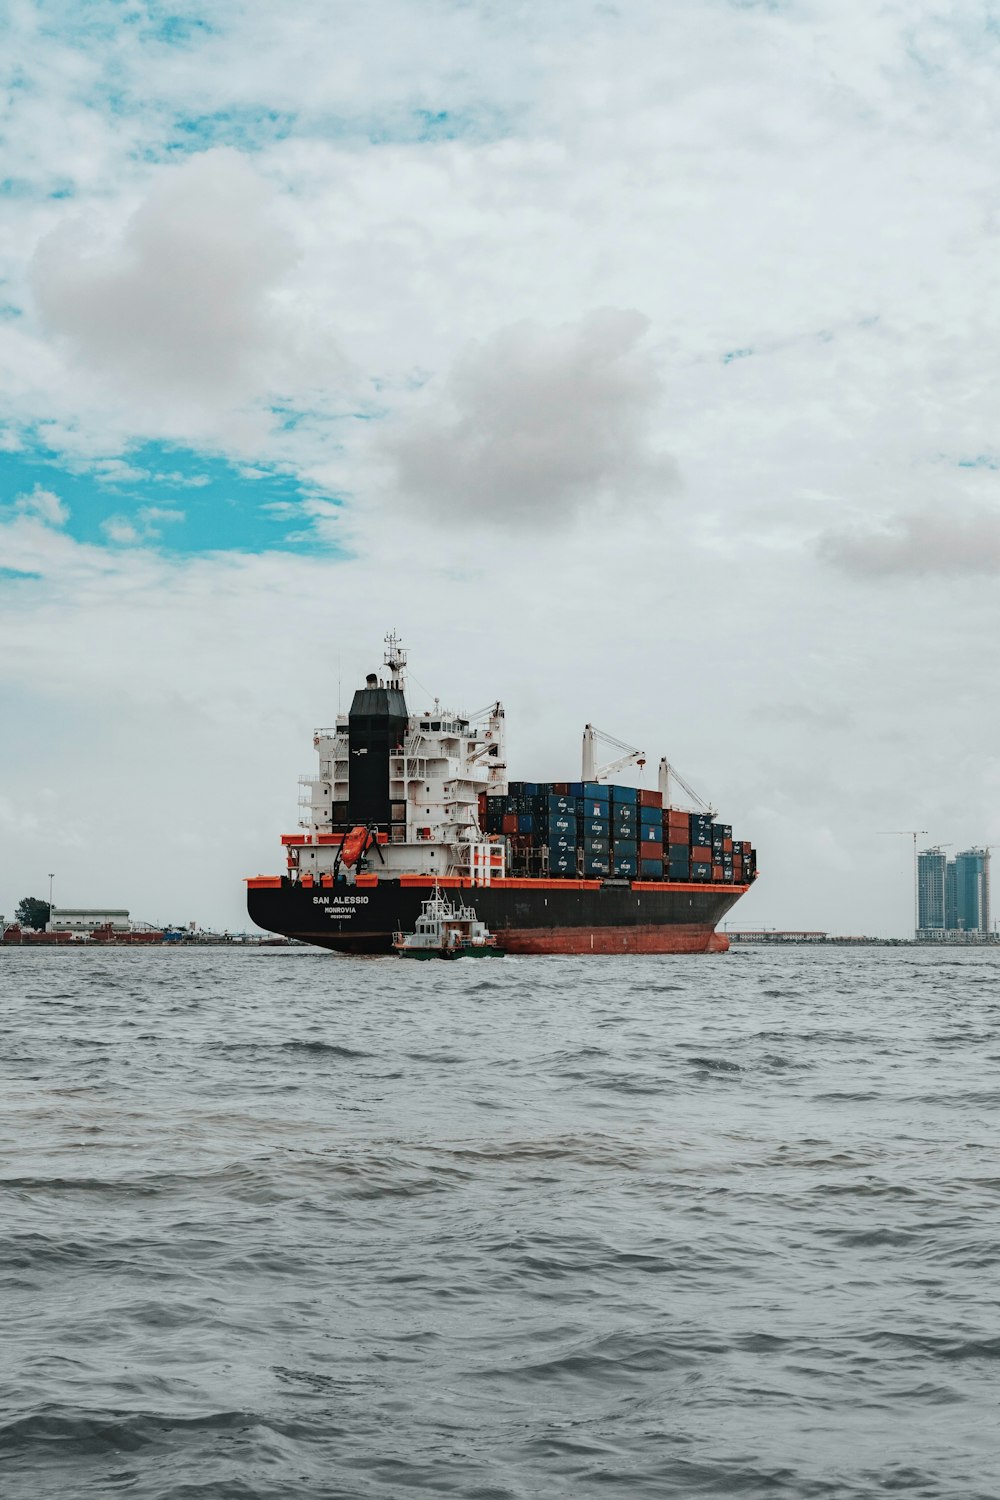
(174,499)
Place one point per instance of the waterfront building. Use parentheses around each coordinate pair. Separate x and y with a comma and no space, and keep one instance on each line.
(932,875)
(81,919)
(972,891)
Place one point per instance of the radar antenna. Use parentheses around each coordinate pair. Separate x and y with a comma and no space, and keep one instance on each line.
(395,660)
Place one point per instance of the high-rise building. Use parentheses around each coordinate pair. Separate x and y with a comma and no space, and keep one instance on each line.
(932,874)
(972,891)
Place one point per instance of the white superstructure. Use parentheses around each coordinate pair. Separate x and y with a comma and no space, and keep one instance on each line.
(442,763)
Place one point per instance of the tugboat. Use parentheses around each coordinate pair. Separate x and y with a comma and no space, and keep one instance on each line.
(444,930)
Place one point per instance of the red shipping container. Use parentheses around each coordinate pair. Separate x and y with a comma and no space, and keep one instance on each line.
(737,867)
(681,820)
(650,799)
(717,872)
(510,822)
(650,851)
(745,846)
(560,788)
(727,846)
(701,854)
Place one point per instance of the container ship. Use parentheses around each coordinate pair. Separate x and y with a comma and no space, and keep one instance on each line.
(403,802)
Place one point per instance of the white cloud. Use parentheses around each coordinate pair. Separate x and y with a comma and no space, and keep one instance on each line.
(536,423)
(45,505)
(949,542)
(145,527)
(182,299)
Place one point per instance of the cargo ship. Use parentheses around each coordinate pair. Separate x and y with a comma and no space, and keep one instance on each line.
(404,802)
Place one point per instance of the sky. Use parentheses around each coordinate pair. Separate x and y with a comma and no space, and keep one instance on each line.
(635,361)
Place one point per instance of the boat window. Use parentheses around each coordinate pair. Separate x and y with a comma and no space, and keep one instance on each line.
(436,724)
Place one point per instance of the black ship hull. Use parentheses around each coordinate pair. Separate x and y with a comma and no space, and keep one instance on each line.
(526,916)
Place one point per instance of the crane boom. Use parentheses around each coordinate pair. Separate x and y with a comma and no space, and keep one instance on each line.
(666,772)
(590,768)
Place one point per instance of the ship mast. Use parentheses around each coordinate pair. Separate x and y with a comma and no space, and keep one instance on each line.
(395,660)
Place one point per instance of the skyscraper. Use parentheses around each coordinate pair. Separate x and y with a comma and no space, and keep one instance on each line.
(932,867)
(972,897)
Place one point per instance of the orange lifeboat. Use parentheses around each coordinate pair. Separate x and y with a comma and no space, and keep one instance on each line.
(353,846)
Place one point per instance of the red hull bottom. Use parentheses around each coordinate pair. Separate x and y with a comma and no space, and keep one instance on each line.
(653,939)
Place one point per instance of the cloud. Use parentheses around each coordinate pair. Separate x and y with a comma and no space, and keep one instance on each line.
(182,299)
(920,544)
(145,526)
(536,423)
(43,504)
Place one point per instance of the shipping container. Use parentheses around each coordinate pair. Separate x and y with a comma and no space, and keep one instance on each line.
(625,795)
(562,863)
(624,814)
(651,799)
(560,802)
(597,846)
(651,869)
(700,870)
(562,843)
(626,866)
(717,872)
(593,807)
(727,846)
(596,828)
(596,864)
(560,788)
(726,829)
(652,848)
(701,854)
(561,823)
(597,789)
(575,788)
(626,846)
(525,823)
(651,817)
(510,821)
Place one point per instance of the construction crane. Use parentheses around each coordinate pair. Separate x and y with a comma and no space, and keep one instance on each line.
(666,771)
(591,770)
(914,834)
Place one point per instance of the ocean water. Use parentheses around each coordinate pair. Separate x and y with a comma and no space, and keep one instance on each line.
(277,1224)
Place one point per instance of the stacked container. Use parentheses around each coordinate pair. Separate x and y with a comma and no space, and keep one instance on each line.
(597,831)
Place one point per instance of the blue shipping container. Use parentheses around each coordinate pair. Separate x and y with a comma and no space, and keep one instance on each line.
(651,817)
(591,807)
(560,802)
(562,823)
(575,788)
(651,835)
(562,844)
(596,846)
(562,864)
(525,823)
(625,795)
(651,869)
(700,871)
(626,815)
(597,789)
(626,846)
(596,864)
(626,867)
(596,828)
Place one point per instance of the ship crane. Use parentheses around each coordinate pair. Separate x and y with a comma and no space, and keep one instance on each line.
(666,772)
(591,770)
